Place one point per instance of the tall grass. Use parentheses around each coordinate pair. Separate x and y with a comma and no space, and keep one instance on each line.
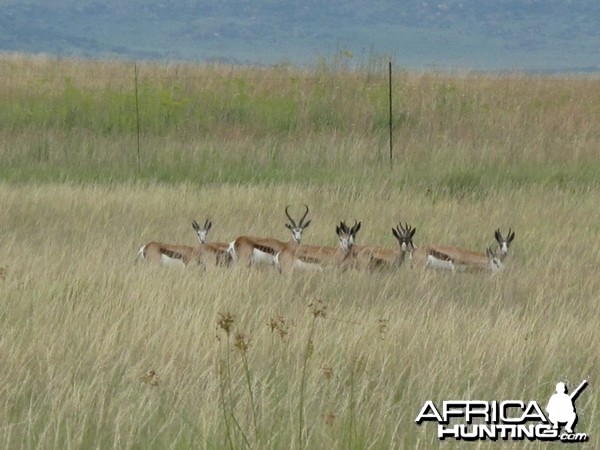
(100,352)
(82,325)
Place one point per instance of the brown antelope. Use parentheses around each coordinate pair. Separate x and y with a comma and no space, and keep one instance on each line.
(503,243)
(460,259)
(256,250)
(181,255)
(211,253)
(371,257)
(314,257)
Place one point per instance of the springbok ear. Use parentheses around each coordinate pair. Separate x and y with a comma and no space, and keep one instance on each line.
(511,235)
(357,227)
(306,225)
(208,225)
(395,233)
(195,225)
(288,226)
(338,230)
(412,232)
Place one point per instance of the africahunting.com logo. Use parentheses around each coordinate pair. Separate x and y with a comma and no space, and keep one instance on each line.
(472,420)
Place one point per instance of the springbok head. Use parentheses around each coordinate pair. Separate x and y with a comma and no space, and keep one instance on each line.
(495,262)
(347,235)
(404,234)
(504,243)
(202,232)
(298,228)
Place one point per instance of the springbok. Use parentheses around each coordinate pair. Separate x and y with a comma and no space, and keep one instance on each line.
(214,253)
(371,257)
(315,257)
(211,253)
(460,259)
(256,250)
(503,243)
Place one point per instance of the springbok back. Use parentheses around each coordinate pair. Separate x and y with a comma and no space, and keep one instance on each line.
(314,257)
(250,250)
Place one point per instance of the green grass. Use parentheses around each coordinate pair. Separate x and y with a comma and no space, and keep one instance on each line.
(212,124)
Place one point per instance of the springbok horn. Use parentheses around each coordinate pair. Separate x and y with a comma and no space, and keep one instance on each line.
(301,223)
(405,229)
(288,216)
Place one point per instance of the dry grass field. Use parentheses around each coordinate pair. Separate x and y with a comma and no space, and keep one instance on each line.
(100,351)
(82,323)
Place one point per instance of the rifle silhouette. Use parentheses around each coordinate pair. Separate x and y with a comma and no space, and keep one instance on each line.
(578,389)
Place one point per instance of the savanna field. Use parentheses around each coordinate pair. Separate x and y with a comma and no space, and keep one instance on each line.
(100,351)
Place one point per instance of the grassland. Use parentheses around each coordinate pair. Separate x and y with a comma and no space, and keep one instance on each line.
(80,323)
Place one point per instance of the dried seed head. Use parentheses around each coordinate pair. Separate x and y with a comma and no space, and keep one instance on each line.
(329,418)
(280,326)
(317,308)
(242,343)
(225,322)
(327,372)
(272,324)
(383,323)
(150,378)
(310,348)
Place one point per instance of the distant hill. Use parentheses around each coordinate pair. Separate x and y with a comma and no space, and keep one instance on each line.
(529,35)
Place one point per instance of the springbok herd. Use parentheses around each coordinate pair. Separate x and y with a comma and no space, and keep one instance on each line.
(292,255)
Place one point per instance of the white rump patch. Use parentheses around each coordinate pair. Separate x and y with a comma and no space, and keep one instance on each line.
(172,262)
(441,264)
(259,257)
(231,250)
(301,265)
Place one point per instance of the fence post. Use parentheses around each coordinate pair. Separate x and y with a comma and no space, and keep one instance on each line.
(390,113)
(137,116)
